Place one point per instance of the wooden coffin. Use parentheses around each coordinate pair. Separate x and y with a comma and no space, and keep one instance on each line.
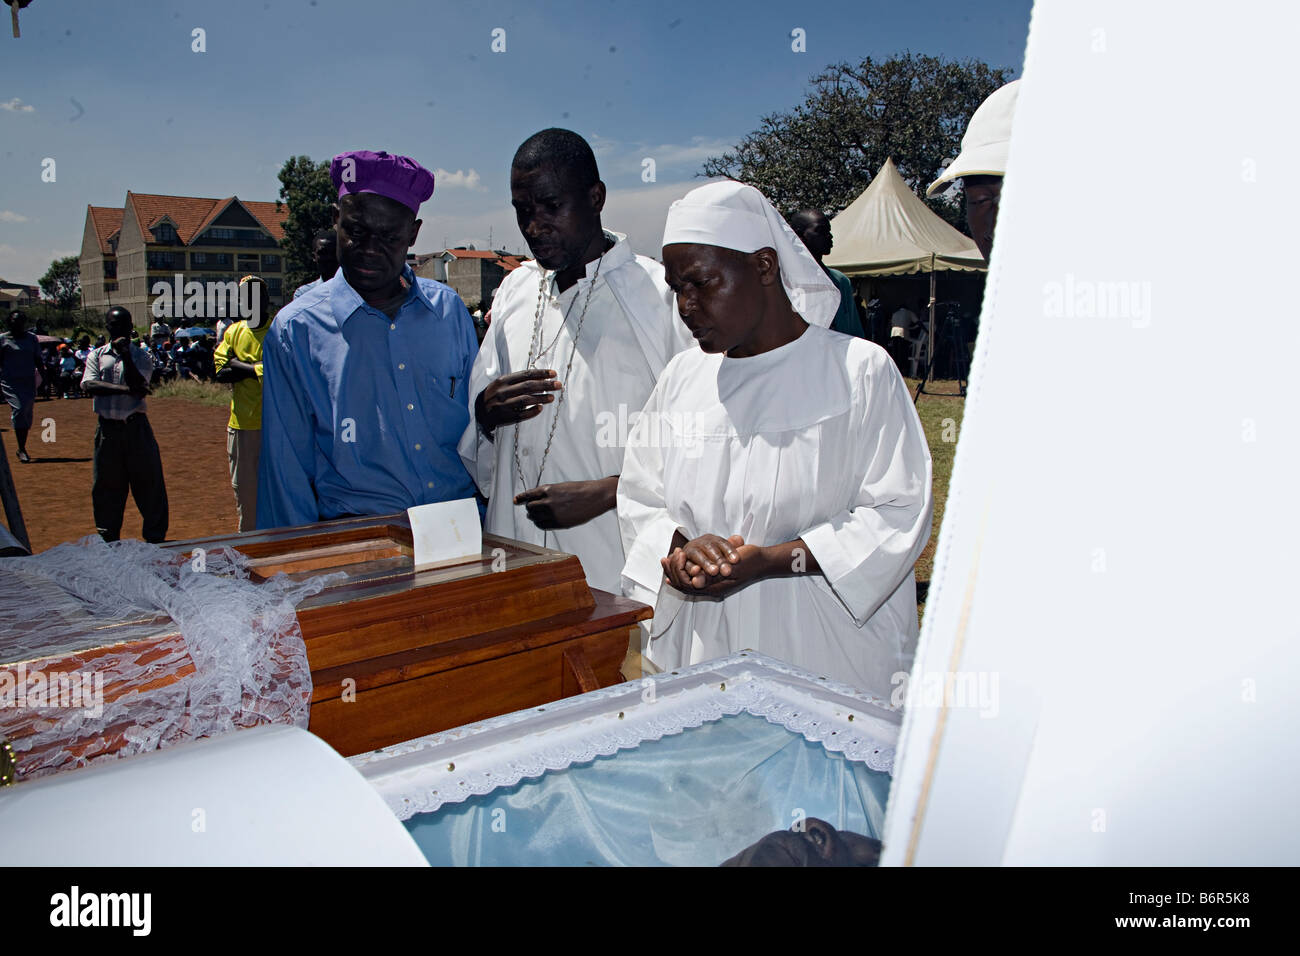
(397,653)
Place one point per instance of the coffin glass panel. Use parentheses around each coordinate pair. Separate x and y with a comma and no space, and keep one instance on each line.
(691,799)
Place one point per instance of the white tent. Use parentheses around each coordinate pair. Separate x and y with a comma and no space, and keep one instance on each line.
(889,230)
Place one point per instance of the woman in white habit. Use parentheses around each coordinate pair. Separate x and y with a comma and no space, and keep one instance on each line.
(775,491)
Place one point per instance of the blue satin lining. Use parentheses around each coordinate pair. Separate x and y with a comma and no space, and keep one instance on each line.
(692,799)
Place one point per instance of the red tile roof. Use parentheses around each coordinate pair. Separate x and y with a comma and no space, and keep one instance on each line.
(107,220)
(473,253)
(266,214)
(507,262)
(192,214)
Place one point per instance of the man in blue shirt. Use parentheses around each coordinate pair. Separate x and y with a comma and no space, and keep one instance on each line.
(365,375)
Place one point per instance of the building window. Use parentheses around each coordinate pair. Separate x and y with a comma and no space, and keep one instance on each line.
(164,260)
(270,263)
(110,269)
(198,259)
(217,233)
(274,286)
(165,233)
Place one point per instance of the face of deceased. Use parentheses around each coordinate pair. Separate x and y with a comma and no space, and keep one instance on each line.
(816,844)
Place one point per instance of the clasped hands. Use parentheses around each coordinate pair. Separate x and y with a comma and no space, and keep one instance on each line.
(712,564)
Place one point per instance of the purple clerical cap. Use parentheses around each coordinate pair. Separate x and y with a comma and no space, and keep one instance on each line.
(397,177)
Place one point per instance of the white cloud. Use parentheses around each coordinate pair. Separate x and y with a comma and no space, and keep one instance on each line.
(27,263)
(7,216)
(458,180)
(695,152)
(16,105)
(446,229)
(615,155)
(638,212)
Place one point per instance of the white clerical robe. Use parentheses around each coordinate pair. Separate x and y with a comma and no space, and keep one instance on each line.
(630,331)
(818,440)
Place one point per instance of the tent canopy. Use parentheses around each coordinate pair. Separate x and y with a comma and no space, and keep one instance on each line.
(889,230)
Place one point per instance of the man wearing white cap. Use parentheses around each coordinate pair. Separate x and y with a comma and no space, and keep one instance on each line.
(776,488)
(982,163)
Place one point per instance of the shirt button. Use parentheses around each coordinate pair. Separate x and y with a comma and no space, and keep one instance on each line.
(410,408)
(401,366)
(392,325)
(431,484)
(417,446)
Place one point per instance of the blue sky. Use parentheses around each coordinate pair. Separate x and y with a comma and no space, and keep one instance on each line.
(675,81)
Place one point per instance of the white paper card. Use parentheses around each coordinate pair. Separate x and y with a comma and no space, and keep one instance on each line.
(445,531)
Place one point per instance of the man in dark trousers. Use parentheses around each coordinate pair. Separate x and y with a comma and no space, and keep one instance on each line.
(20,363)
(126,455)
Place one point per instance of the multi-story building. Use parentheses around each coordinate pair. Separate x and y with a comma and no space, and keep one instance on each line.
(475,274)
(16,295)
(152,238)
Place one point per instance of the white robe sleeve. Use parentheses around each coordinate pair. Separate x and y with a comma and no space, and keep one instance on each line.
(643,519)
(476,450)
(865,552)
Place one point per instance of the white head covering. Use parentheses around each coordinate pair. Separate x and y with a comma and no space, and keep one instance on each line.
(736,216)
(988,137)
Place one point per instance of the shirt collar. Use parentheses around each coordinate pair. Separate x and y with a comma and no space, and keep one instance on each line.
(618,255)
(345,301)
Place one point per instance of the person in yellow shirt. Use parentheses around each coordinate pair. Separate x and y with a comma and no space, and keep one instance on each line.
(238,361)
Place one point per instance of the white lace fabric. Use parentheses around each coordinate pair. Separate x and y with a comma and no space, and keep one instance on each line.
(101,614)
(421,775)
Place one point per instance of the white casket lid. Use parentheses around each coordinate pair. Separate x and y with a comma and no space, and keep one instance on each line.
(266,796)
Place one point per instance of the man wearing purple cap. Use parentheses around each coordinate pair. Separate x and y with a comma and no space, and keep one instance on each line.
(365,375)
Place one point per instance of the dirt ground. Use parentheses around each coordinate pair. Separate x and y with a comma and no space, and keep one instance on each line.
(54,490)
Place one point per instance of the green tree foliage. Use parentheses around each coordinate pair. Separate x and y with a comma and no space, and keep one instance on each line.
(306,189)
(62,283)
(825,151)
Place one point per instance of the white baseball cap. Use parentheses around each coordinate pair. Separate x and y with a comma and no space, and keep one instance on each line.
(984,147)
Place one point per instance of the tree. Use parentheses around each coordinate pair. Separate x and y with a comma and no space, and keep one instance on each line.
(62,283)
(825,151)
(306,189)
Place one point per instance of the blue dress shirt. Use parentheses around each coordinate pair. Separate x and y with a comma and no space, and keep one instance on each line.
(361,414)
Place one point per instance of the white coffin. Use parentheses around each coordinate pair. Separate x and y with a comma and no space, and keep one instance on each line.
(267,796)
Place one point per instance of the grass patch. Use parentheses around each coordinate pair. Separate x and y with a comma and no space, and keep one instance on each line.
(941,418)
(201,393)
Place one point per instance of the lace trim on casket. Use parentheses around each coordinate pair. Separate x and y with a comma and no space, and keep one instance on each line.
(419,776)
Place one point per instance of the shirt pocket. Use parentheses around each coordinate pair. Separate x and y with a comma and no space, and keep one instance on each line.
(443,397)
